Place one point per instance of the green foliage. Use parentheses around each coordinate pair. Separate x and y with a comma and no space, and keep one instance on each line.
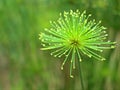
(74,34)
(24,67)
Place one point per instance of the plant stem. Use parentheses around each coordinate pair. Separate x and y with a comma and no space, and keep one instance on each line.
(81,79)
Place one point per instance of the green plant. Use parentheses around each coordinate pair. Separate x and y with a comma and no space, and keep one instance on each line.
(72,35)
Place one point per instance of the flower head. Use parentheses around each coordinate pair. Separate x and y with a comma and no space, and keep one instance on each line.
(72,35)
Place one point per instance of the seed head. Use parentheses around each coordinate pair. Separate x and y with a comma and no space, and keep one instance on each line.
(72,35)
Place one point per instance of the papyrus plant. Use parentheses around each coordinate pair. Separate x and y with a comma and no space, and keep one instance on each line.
(74,34)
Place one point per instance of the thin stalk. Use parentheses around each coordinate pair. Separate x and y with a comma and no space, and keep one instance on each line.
(81,79)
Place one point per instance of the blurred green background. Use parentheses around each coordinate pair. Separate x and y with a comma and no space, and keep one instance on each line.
(24,67)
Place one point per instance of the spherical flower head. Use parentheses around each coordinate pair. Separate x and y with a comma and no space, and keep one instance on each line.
(72,35)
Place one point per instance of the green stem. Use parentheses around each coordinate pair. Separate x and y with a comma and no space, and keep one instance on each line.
(79,66)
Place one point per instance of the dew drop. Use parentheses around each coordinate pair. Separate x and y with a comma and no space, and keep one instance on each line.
(61,67)
(112,47)
(43,44)
(59,56)
(104,31)
(102,59)
(89,56)
(106,34)
(77,10)
(71,76)
(42,40)
(89,15)
(80,60)
(55,55)
(60,14)
(114,42)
